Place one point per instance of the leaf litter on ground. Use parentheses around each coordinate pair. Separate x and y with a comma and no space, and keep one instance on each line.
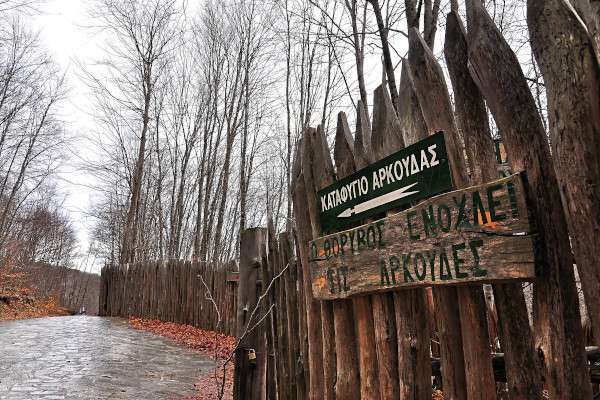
(218,347)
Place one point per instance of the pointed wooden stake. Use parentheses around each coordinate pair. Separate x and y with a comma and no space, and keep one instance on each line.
(557,321)
(347,385)
(363,155)
(409,112)
(343,153)
(304,208)
(435,103)
(345,164)
(563,50)
(385,138)
(516,339)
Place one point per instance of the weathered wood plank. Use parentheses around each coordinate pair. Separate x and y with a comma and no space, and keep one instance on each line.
(347,383)
(386,341)
(313,152)
(271,388)
(363,154)
(413,315)
(291,298)
(413,343)
(363,307)
(481,234)
(301,366)
(564,52)
(409,112)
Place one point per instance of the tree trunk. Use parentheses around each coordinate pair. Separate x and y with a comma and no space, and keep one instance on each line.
(387,57)
(130,233)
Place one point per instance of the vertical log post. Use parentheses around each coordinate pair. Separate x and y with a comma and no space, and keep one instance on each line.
(301,372)
(414,311)
(283,347)
(385,139)
(271,388)
(345,163)
(515,334)
(291,298)
(433,97)
(557,321)
(249,377)
(564,51)
(313,307)
(347,383)
(326,177)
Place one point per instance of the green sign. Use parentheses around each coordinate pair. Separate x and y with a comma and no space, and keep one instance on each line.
(417,171)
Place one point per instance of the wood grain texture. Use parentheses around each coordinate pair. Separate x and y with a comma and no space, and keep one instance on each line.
(485,164)
(386,341)
(398,251)
(563,49)
(314,361)
(438,113)
(348,383)
(313,147)
(413,313)
(557,320)
(346,153)
(250,381)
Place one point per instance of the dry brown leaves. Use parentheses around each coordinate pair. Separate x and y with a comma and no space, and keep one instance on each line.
(204,342)
(15,308)
(217,347)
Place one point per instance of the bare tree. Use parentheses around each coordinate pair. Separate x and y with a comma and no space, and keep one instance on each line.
(141,36)
(32,137)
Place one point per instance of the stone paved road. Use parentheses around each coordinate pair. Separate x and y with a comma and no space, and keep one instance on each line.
(85,357)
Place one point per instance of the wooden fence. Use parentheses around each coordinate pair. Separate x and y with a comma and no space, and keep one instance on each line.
(172,292)
(380,345)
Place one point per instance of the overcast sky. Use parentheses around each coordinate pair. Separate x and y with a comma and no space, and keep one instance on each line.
(61,27)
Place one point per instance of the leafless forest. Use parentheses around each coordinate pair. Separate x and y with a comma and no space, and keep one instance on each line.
(196,110)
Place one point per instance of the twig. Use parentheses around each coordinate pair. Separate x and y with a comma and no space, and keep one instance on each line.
(208,296)
(221,390)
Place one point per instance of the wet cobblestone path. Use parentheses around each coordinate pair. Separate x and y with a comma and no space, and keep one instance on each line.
(85,357)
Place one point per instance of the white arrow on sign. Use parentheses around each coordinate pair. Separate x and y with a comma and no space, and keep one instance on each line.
(378,201)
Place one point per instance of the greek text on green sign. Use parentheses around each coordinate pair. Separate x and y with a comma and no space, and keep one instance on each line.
(477,235)
(415,172)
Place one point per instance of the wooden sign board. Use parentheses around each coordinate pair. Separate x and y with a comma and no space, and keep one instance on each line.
(481,234)
(415,172)
(233,276)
